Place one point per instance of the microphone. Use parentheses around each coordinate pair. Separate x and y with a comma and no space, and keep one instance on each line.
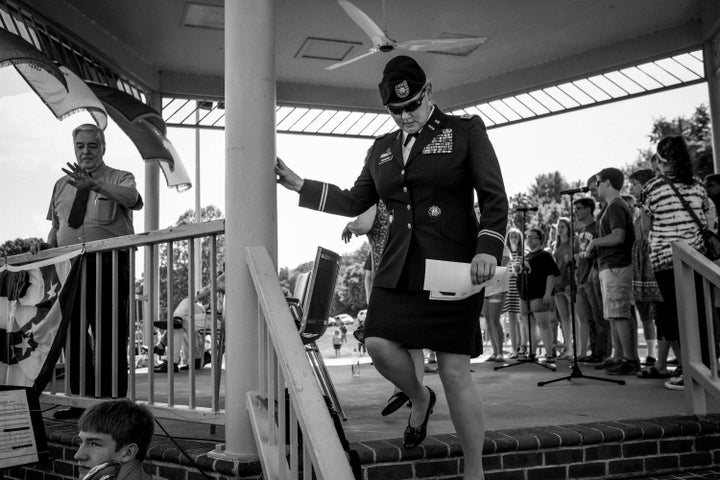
(573,191)
(526,209)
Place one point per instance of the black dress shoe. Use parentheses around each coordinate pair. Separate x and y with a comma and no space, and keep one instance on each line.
(396,400)
(68,413)
(415,435)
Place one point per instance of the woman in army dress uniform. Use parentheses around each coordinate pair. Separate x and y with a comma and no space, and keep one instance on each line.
(426,174)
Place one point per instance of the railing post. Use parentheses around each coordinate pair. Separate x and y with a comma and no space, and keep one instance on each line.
(689,334)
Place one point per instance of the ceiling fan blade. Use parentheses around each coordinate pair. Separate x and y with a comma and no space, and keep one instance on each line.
(365,23)
(439,44)
(352,60)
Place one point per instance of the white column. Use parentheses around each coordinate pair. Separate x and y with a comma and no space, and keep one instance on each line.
(250,203)
(198,206)
(711,55)
(151,211)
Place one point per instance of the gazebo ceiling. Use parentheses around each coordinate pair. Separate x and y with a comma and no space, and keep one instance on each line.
(531,43)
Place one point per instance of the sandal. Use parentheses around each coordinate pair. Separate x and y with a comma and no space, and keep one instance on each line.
(652,372)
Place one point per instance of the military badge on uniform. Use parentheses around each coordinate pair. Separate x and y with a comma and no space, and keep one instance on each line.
(402,89)
(441,143)
(385,157)
(434,211)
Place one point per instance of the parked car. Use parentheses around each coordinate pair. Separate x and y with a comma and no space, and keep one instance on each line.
(343,318)
(361,315)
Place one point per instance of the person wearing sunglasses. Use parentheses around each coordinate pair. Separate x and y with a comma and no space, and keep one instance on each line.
(427,172)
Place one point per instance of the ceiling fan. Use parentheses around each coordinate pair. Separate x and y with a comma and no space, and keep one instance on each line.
(383,43)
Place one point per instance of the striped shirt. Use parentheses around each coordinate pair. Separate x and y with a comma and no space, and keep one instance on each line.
(671,222)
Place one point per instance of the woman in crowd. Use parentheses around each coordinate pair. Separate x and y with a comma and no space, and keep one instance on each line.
(646,292)
(517,329)
(668,222)
(562,251)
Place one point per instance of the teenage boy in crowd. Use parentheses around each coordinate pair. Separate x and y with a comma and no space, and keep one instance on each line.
(588,308)
(614,251)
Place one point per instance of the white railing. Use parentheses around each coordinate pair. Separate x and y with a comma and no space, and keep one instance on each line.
(278,422)
(697,283)
(192,394)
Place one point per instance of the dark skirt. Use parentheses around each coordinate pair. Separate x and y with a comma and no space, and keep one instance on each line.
(415,321)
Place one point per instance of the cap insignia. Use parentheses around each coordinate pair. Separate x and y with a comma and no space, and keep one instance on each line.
(402,89)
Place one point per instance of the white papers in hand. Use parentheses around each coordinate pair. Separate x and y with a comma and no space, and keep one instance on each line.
(451,280)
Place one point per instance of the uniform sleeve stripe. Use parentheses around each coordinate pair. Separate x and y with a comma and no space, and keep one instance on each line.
(493,234)
(323,197)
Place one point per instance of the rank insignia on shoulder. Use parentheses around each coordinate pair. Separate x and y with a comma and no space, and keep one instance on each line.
(385,157)
(467,116)
(434,211)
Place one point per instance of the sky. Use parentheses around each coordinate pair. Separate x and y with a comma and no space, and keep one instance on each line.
(34,146)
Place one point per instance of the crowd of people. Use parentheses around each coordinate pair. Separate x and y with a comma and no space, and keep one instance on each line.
(617,257)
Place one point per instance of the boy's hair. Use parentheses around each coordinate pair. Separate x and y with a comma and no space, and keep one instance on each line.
(613,174)
(124,420)
(586,202)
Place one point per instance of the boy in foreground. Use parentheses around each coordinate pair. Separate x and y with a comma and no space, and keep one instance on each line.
(116,431)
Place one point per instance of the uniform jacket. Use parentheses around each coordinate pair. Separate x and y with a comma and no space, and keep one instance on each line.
(429,199)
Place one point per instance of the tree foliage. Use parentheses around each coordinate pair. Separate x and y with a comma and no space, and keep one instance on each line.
(20,245)
(697,131)
(351,288)
(543,194)
(181,258)
(547,186)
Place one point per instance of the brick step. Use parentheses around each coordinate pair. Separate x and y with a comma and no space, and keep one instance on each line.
(600,450)
(662,448)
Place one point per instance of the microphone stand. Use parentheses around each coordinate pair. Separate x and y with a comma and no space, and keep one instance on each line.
(522,275)
(575,371)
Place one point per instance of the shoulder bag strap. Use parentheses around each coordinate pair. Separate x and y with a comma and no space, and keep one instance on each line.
(684,203)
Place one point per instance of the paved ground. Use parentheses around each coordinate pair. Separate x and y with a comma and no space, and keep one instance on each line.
(512,397)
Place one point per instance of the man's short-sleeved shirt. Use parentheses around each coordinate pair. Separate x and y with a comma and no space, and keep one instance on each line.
(616,215)
(104,218)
